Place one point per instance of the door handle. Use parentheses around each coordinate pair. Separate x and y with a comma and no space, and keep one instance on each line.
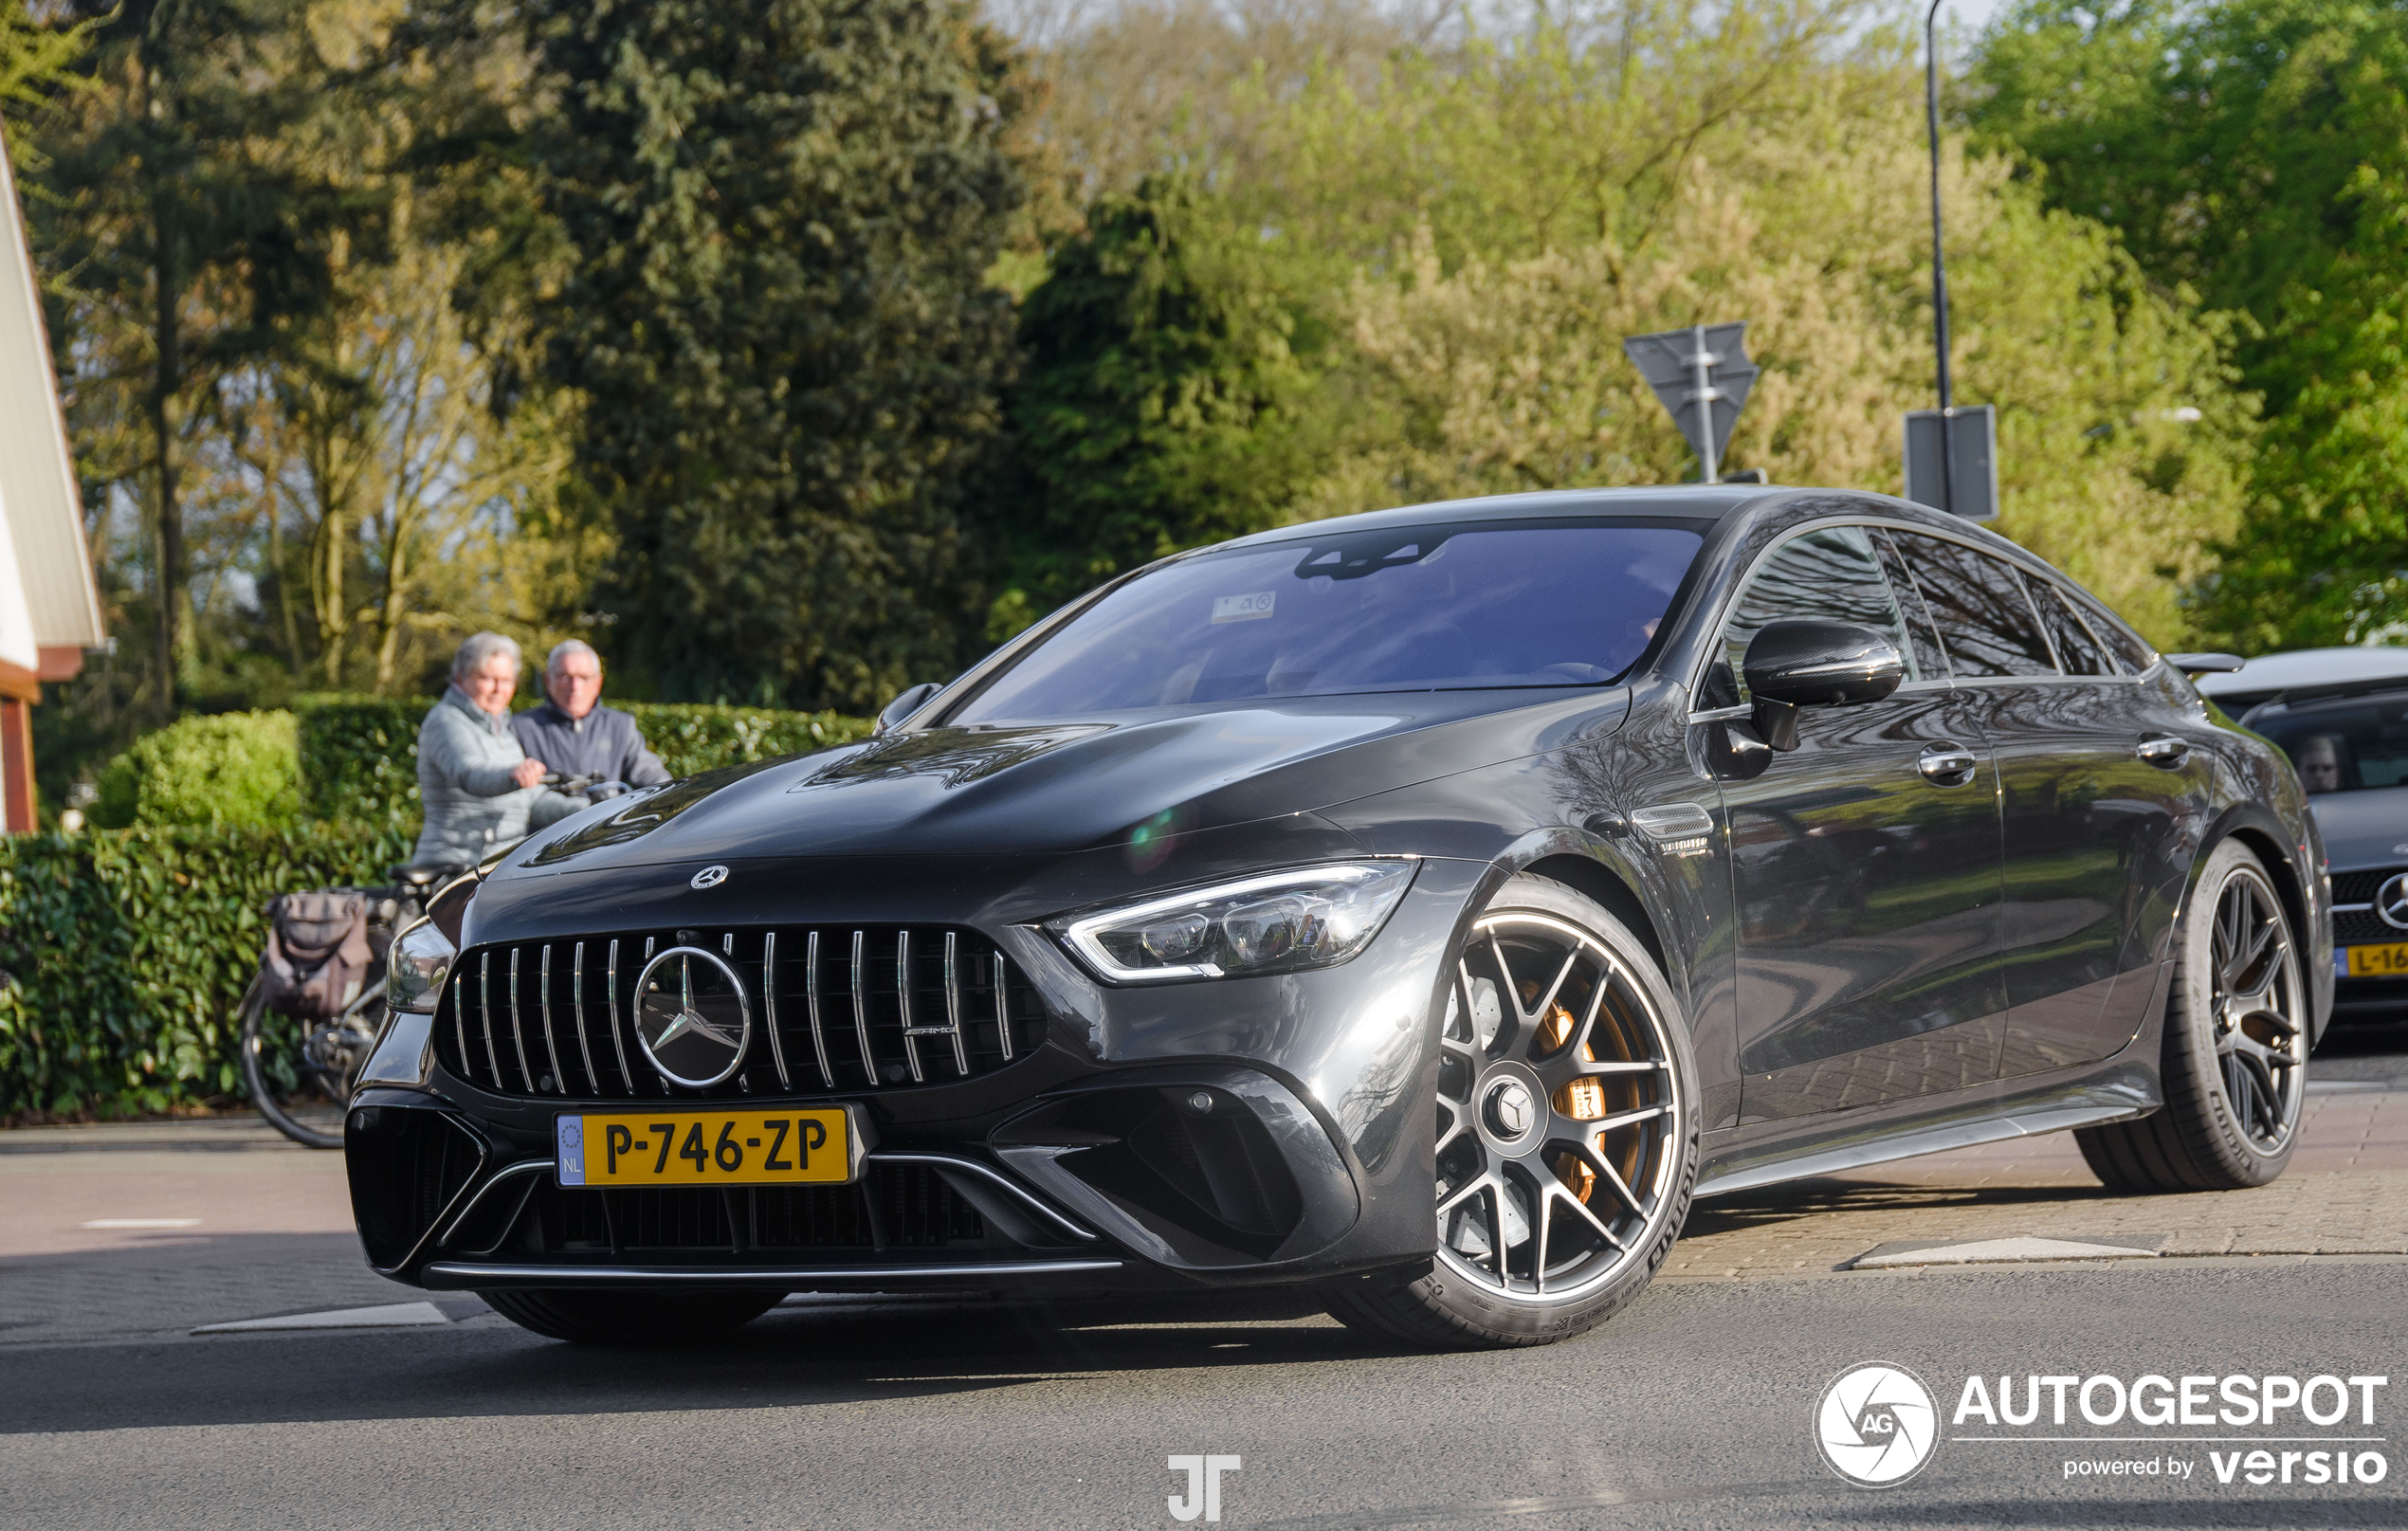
(1947,765)
(2165,751)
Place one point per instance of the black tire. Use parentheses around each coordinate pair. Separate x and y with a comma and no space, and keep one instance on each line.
(307,1106)
(1481,1289)
(2234,1066)
(643,1316)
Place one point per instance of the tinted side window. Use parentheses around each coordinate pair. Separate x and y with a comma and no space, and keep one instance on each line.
(2078,652)
(1829,575)
(1929,662)
(1983,616)
(2129,648)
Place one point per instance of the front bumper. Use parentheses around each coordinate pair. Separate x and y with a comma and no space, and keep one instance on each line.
(1239,1131)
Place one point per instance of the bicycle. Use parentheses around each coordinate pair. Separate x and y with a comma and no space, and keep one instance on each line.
(299,1072)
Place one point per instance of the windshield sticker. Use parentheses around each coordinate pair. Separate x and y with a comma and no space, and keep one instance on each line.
(1242,608)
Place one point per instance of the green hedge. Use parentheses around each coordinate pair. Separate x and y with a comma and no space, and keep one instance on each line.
(123,954)
(236,768)
(358,755)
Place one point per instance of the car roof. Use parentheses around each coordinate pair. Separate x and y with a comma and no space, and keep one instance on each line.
(1706,503)
(2301,668)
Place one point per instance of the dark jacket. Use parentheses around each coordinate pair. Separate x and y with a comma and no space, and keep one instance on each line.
(605,745)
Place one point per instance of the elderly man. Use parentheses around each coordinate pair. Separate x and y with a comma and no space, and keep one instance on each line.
(574,734)
(479,787)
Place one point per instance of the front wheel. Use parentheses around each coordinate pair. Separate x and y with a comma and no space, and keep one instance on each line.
(1567,1133)
(636,1317)
(299,1073)
(2235,1058)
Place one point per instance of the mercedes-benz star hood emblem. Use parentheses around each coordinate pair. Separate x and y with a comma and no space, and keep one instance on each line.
(708,877)
(691,1017)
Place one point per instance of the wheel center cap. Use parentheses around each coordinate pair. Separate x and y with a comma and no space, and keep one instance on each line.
(1511,1110)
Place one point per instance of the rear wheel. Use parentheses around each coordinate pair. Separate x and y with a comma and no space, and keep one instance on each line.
(299,1073)
(1567,1133)
(2236,1055)
(631,1317)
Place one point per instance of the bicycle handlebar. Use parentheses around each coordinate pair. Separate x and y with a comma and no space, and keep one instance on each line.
(580,786)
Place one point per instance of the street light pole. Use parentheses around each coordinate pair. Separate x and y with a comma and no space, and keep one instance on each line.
(1939,258)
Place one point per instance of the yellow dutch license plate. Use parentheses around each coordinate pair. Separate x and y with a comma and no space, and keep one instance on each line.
(722,1148)
(2389,960)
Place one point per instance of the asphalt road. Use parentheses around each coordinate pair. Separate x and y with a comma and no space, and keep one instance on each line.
(1694,1408)
(1697,1407)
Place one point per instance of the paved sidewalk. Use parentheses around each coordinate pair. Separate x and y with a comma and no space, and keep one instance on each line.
(2345,1192)
(271,1230)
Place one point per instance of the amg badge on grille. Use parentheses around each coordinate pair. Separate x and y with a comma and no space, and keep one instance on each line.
(691,1016)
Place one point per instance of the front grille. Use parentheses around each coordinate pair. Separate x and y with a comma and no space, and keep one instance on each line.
(893,1207)
(833,1008)
(2362,928)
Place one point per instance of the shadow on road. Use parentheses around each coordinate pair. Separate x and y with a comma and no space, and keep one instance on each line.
(794,1357)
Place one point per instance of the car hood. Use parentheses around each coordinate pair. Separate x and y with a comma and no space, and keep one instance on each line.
(2363,829)
(1062,788)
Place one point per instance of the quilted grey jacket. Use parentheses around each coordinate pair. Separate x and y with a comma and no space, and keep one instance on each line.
(465,756)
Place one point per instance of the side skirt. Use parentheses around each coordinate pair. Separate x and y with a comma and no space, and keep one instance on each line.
(1746,1158)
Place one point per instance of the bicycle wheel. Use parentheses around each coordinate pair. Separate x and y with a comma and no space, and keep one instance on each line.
(299,1073)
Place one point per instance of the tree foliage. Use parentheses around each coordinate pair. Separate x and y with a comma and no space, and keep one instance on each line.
(783,211)
(1162,396)
(2252,151)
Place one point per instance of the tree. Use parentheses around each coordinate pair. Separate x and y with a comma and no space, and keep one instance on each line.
(782,213)
(2121,438)
(2253,152)
(179,229)
(1159,401)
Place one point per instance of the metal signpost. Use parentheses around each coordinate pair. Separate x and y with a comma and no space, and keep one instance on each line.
(1702,375)
(1951,453)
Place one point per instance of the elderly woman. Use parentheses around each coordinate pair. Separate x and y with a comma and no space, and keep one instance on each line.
(479,787)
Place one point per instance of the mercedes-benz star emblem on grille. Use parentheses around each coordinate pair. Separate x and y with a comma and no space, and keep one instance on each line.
(2391,900)
(708,877)
(691,1017)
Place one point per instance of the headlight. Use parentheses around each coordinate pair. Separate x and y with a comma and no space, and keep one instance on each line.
(416,966)
(1281,921)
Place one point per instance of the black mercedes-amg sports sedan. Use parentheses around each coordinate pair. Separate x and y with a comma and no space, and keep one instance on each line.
(1423,906)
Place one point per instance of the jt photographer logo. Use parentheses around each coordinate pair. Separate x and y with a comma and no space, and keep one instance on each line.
(1203,1496)
(1877,1426)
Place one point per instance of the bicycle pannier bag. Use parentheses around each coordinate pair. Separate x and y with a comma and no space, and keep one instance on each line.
(318,953)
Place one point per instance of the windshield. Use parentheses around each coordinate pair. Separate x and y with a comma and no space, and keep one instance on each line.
(1410,608)
(2346,749)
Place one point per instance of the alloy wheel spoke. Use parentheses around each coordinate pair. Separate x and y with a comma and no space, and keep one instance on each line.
(1619,1066)
(1545,1215)
(2246,954)
(1508,990)
(1466,1192)
(1496,1200)
(1458,1126)
(1546,1006)
(1605,1169)
(2261,1084)
(1557,1191)
(1624,1119)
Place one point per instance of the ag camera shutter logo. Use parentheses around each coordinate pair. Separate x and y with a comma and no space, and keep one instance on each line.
(1877,1425)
